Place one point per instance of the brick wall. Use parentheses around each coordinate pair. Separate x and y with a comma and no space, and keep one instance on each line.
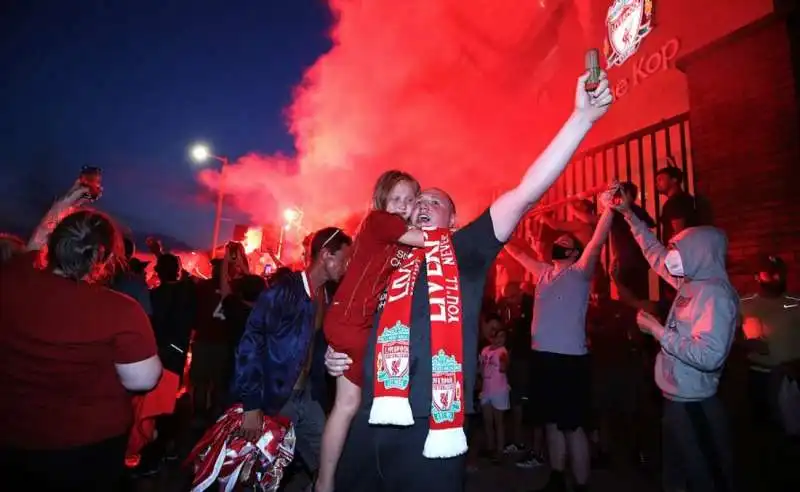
(745,132)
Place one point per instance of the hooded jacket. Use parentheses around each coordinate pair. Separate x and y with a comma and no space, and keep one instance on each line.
(702,320)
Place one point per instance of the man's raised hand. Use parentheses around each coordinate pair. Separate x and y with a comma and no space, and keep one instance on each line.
(593,105)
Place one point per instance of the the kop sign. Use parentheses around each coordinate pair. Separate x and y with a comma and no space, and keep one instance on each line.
(628,23)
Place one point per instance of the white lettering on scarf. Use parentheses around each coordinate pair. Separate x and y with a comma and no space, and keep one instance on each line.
(451,284)
(401,286)
(438,304)
(448,256)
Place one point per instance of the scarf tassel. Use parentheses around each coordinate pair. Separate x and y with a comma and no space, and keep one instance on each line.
(391,410)
(445,443)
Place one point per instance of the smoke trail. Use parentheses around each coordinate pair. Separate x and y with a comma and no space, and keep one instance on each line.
(460,93)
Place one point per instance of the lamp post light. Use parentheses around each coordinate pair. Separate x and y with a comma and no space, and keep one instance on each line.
(201,153)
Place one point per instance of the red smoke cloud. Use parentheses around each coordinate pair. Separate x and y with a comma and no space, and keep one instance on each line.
(460,93)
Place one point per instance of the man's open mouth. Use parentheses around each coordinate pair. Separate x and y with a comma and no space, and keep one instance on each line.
(423,219)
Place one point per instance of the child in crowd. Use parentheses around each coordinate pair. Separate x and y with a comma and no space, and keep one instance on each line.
(495,394)
(378,250)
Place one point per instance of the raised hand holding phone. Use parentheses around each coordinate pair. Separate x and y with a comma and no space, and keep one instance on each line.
(592,64)
(91,179)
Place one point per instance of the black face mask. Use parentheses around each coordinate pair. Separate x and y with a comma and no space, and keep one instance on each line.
(773,287)
(561,252)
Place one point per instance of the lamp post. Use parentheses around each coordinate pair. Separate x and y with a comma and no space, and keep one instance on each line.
(201,153)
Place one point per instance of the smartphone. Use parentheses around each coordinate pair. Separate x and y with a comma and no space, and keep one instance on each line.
(91,177)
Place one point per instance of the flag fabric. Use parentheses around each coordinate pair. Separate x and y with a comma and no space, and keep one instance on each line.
(223,456)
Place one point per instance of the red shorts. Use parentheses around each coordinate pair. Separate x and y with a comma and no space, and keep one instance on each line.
(351,339)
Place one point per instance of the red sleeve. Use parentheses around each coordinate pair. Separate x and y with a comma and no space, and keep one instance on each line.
(384,227)
(133,340)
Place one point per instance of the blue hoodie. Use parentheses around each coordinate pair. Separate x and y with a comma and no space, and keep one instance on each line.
(702,320)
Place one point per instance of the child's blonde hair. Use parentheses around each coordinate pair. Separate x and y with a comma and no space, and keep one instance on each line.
(384,186)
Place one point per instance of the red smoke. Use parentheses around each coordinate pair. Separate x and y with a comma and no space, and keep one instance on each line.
(460,93)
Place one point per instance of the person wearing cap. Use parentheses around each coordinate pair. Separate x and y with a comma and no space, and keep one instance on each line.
(771,328)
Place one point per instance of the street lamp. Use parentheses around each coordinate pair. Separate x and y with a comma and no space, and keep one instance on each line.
(201,153)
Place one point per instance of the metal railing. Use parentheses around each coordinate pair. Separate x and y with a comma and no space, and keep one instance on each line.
(635,157)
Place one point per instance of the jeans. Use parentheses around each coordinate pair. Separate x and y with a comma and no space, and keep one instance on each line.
(309,421)
(696,447)
(389,459)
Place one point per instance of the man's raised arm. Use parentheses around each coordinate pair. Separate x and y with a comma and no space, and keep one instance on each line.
(533,265)
(507,210)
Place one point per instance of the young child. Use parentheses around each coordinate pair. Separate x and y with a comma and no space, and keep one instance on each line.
(495,394)
(378,250)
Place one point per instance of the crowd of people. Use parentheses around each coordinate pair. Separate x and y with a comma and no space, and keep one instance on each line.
(97,367)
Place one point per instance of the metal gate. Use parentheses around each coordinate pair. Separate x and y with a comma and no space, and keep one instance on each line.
(635,157)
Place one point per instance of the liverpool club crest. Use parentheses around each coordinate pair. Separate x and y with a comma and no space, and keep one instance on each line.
(393,357)
(628,22)
(446,391)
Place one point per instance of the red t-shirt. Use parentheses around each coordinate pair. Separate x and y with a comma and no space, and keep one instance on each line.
(59,342)
(368,272)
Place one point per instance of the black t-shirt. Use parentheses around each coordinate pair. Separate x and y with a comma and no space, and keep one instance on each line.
(476,247)
(174,309)
(613,332)
(678,206)
(626,250)
(519,337)
(236,313)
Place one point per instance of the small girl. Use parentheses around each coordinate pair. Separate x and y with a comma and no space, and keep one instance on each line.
(378,250)
(495,394)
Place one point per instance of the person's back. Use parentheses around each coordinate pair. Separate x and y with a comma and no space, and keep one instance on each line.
(174,308)
(209,328)
(131,281)
(135,286)
(59,345)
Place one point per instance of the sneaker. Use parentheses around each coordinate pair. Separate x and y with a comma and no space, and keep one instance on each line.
(530,461)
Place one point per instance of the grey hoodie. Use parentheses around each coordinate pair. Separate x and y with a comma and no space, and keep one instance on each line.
(702,320)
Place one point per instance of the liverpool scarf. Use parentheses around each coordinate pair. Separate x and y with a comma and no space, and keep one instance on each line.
(390,405)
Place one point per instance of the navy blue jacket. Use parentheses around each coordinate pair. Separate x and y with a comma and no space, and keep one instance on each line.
(273,348)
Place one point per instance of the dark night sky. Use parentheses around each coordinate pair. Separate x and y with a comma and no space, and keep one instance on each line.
(128,85)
